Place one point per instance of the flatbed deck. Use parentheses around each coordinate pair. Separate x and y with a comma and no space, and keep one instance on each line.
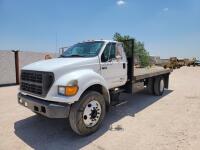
(142,73)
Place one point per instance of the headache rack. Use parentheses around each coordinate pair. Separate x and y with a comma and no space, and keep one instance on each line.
(36,82)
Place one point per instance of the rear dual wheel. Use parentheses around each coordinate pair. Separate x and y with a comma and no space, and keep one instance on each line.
(159,86)
(156,86)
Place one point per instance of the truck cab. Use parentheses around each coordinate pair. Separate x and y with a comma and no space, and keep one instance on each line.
(80,85)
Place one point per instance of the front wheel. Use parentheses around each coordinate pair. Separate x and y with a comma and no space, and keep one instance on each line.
(87,114)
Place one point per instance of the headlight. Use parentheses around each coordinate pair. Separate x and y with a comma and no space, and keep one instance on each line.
(61,90)
(70,89)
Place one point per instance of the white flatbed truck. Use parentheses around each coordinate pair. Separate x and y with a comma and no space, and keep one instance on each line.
(85,81)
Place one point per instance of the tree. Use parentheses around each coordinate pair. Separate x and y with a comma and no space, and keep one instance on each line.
(139,49)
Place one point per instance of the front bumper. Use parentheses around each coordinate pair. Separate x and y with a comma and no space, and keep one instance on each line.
(45,108)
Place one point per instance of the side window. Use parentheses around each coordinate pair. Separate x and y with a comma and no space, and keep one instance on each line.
(112,51)
(105,54)
(109,52)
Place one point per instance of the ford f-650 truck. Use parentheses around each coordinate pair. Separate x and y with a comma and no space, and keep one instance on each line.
(85,81)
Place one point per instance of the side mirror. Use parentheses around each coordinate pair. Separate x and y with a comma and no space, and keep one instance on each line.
(119,50)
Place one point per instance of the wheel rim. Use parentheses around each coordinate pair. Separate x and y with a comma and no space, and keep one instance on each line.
(92,113)
(161,85)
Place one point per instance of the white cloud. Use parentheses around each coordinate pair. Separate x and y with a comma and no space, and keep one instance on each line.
(165,9)
(121,2)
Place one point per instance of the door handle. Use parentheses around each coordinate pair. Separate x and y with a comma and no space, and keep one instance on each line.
(104,67)
(124,66)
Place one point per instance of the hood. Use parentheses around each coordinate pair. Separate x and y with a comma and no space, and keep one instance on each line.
(58,63)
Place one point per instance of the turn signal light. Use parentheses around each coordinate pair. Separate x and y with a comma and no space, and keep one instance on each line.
(71,90)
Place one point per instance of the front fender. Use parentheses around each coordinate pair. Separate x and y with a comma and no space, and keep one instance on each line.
(85,77)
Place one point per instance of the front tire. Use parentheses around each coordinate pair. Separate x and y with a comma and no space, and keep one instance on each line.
(87,114)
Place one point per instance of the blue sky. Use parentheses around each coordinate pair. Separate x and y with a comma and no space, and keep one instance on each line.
(168,28)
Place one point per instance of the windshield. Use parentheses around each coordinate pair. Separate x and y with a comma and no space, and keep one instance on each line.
(87,49)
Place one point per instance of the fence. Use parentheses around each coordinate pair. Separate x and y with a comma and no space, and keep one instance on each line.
(7,64)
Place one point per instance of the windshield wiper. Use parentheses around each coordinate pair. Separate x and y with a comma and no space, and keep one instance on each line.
(61,56)
(76,55)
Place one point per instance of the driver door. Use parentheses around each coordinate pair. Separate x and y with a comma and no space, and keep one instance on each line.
(111,67)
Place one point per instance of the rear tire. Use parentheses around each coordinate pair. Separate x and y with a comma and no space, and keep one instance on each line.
(86,115)
(150,86)
(159,86)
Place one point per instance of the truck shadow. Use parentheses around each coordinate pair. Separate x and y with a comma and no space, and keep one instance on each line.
(43,133)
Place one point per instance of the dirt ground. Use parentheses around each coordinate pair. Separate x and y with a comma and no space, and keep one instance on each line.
(145,122)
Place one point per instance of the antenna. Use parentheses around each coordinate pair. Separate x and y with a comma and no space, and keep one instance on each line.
(56,41)
(56,46)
